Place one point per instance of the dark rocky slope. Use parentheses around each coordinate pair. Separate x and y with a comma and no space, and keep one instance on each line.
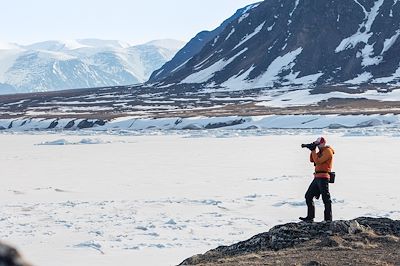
(363,241)
(301,42)
(193,47)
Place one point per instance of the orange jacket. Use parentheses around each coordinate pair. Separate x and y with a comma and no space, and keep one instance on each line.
(323,161)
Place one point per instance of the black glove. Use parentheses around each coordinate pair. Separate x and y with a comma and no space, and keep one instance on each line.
(312,147)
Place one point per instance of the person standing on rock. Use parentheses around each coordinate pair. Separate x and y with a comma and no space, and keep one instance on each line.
(323,160)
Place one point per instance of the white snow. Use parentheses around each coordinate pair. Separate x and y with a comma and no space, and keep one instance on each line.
(367,56)
(207,73)
(74,44)
(363,35)
(363,8)
(244,16)
(58,45)
(271,27)
(303,97)
(230,33)
(295,7)
(239,82)
(156,200)
(85,63)
(7,59)
(249,7)
(279,64)
(305,80)
(249,36)
(200,65)
(293,98)
(168,44)
(391,10)
(389,42)
(160,71)
(83,141)
(8,46)
(285,62)
(180,66)
(362,78)
(396,75)
(215,40)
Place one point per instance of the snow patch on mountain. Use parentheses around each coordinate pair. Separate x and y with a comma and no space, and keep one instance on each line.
(305,80)
(230,34)
(390,42)
(362,78)
(395,76)
(239,82)
(249,36)
(279,64)
(296,4)
(207,73)
(177,68)
(363,35)
(243,17)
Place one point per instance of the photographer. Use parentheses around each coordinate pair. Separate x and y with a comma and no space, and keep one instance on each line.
(322,160)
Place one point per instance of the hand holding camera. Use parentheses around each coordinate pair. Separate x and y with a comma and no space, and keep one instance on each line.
(311,146)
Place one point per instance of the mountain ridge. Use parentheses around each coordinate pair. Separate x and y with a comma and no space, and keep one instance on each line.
(194,46)
(84,63)
(301,43)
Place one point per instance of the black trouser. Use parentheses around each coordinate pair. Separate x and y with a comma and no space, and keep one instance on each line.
(319,186)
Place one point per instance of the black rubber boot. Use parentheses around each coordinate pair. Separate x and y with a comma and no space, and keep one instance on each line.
(328,212)
(306,219)
(310,209)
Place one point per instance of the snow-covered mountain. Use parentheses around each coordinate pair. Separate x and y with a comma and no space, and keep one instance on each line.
(58,65)
(300,42)
(194,46)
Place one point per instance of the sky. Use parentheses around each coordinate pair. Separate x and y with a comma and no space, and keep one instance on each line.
(134,21)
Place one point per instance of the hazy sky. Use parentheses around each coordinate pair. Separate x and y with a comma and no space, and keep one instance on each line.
(136,21)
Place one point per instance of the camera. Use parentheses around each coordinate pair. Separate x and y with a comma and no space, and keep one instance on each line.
(310,146)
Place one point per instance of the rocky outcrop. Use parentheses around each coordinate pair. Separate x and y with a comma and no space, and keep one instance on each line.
(9,256)
(363,241)
(89,124)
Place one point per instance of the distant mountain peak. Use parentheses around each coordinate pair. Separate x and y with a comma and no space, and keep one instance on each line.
(167,43)
(82,63)
(8,46)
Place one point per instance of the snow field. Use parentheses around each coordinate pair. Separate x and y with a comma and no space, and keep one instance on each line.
(155,200)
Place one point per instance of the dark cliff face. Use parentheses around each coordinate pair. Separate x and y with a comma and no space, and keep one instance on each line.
(301,42)
(193,47)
